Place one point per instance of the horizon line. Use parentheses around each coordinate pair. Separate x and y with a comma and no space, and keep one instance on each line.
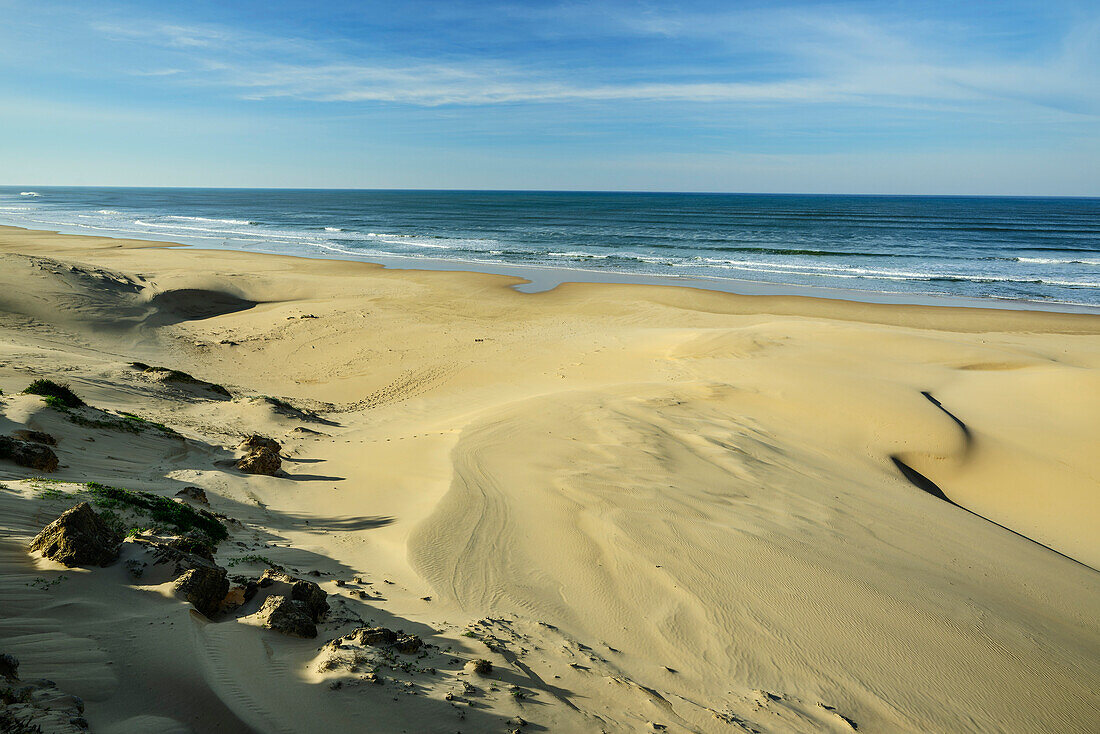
(560,191)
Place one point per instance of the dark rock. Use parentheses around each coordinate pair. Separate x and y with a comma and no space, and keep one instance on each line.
(35,436)
(374,636)
(205,587)
(287,616)
(183,553)
(197,545)
(79,537)
(270,576)
(256,441)
(315,599)
(195,494)
(261,461)
(24,453)
(408,644)
(9,667)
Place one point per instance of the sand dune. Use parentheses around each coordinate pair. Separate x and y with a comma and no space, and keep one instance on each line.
(647,507)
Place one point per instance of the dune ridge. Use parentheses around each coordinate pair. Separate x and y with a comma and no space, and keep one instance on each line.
(649,508)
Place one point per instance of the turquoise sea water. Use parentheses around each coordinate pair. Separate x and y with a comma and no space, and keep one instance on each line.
(1030,249)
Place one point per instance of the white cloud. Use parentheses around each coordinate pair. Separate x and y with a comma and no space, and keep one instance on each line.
(816,59)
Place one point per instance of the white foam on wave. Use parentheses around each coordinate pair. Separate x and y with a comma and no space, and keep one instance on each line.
(333,229)
(29,193)
(873,274)
(1058,261)
(580,255)
(249,235)
(212,220)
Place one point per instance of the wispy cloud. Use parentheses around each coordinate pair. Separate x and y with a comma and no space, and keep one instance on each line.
(814,59)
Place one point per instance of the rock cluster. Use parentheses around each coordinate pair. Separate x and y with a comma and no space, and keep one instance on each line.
(384,637)
(33,706)
(261,457)
(79,537)
(255,442)
(297,606)
(188,561)
(195,494)
(28,453)
(204,586)
(288,616)
(24,434)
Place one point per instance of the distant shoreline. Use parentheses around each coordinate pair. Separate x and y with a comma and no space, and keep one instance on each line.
(542,278)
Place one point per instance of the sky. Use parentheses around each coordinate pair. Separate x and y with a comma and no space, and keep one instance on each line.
(850,97)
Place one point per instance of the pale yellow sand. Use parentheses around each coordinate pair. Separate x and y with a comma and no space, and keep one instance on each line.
(674,507)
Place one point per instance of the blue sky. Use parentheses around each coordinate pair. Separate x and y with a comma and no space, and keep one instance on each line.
(874,97)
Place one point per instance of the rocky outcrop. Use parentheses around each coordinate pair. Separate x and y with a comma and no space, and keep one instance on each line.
(312,596)
(204,586)
(262,461)
(288,616)
(374,636)
(255,442)
(408,644)
(79,537)
(35,706)
(9,667)
(188,562)
(384,637)
(298,604)
(195,494)
(261,457)
(41,437)
(307,592)
(29,454)
(195,544)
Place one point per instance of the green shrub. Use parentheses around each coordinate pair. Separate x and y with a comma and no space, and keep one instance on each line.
(254,559)
(161,509)
(60,393)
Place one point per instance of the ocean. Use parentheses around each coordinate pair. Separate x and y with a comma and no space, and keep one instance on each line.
(994,249)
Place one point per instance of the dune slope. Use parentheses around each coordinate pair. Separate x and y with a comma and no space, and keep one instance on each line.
(647,507)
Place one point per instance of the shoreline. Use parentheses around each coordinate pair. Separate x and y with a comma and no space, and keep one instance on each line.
(540,278)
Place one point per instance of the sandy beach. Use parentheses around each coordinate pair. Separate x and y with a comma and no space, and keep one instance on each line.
(649,508)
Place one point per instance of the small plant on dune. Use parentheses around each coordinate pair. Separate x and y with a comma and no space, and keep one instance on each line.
(55,402)
(61,394)
(153,424)
(264,560)
(108,422)
(113,521)
(161,509)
